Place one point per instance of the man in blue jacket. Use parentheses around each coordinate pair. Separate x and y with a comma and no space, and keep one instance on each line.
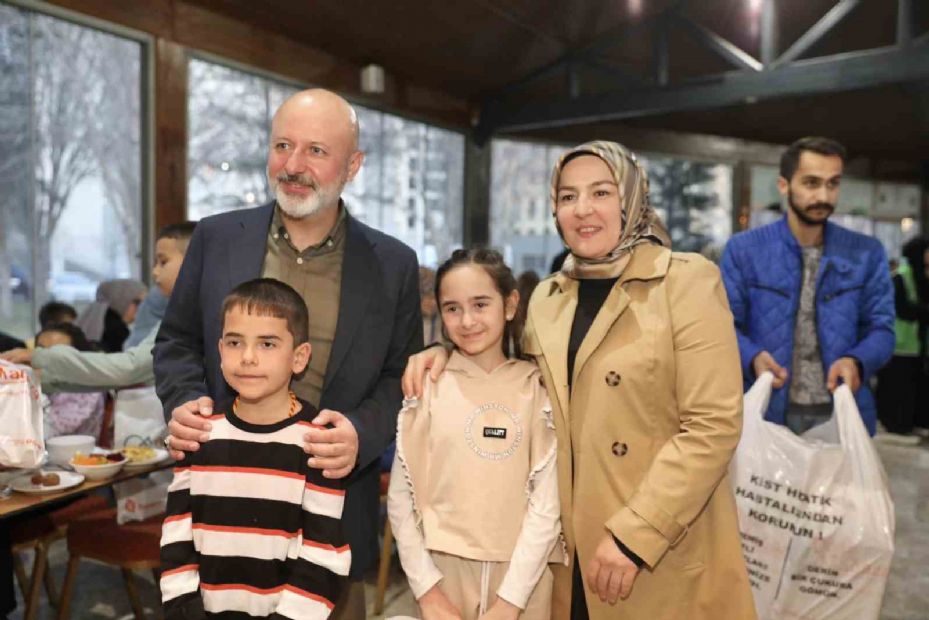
(812,301)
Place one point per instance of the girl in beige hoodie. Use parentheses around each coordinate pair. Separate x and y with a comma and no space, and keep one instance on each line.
(473,498)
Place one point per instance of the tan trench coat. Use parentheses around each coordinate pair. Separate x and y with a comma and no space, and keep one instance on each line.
(650,426)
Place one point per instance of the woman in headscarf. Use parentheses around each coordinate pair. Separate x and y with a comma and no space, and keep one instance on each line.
(106,321)
(638,351)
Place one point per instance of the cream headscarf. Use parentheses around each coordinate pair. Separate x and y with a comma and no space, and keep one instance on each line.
(640,222)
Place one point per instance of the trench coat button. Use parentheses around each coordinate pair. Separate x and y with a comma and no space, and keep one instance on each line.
(619,448)
(613,378)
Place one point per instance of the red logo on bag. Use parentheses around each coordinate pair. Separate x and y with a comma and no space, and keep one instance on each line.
(130,505)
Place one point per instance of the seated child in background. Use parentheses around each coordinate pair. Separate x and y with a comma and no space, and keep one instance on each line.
(473,499)
(250,528)
(70,413)
(55,312)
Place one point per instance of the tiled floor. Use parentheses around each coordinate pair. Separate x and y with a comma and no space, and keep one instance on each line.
(100,595)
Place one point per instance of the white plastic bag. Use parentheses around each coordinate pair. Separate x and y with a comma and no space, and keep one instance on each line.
(22,441)
(138,418)
(816,518)
(141,498)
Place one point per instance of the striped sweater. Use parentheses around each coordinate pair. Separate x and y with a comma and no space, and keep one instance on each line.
(251,530)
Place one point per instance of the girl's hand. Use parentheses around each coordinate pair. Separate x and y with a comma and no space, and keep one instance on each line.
(611,573)
(434,358)
(502,610)
(434,605)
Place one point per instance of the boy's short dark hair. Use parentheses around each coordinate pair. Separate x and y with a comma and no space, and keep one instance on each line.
(56,312)
(180,232)
(790,160)
(270,297)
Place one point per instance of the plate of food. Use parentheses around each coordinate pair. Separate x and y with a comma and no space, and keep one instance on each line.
(47,481)
(143,456)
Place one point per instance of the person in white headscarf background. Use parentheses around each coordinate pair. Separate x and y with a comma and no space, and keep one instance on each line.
(638,351)
(106,321)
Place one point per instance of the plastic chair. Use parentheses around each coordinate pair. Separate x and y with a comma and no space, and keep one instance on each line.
(133,546)
(38,534)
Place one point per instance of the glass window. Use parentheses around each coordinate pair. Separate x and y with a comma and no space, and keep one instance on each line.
(70,160)
(228,122)
(521,223)
(410,186)
(694,199)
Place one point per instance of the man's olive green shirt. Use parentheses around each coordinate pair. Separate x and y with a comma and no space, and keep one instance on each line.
(315,273)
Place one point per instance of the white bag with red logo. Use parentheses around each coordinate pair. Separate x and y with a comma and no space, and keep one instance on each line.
(139,421)
(815,515)
(22,443)
(141,498)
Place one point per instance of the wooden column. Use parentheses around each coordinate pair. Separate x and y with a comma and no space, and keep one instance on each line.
(170,100)
(476,213)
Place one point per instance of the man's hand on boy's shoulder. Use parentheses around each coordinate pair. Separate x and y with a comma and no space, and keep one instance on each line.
(333,448)
(189,427)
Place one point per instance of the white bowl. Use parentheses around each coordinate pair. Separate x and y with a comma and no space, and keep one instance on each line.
(62,448)
(99,472)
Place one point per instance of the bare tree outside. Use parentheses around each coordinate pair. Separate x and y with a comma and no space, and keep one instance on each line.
(229,120)
(116,143)
(70,121)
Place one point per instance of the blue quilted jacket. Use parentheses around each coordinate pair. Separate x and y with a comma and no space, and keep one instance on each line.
(763,269)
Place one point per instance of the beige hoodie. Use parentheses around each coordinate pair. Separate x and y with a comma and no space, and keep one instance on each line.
(474,476)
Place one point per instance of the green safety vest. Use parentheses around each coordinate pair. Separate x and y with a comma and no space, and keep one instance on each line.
(907,331)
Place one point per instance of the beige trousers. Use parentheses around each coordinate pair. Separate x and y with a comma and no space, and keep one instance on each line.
(471,586)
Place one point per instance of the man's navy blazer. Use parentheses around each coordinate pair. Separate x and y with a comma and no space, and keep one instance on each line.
(379,326)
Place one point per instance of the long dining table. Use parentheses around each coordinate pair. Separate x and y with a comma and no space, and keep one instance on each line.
(24,503)
(20,504)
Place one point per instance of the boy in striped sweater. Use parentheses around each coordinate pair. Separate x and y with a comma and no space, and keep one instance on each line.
(251,530)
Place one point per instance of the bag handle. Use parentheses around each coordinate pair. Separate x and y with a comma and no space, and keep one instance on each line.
(856,442)
(756,399)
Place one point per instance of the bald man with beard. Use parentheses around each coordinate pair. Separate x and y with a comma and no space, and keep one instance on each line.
(362,290)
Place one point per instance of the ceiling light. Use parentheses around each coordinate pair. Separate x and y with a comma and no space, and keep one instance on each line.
(373,79)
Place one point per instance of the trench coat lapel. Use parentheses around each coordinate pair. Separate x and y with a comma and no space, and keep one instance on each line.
(556,313)
(612,308)
(648,262)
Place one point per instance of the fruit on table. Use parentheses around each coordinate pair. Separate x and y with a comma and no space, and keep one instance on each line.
(97,459)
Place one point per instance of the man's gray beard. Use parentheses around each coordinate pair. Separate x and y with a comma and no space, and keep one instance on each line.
(301,208)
